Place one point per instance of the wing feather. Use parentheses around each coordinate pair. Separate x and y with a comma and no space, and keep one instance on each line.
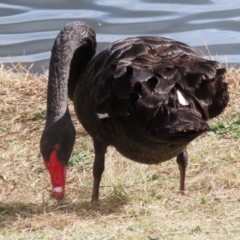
(139,78)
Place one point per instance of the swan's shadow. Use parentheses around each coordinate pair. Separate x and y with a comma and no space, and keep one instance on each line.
(10,212)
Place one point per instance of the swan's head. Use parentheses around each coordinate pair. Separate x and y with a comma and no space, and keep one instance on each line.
(56,147)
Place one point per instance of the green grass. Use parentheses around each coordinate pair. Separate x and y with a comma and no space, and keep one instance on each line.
(79,157)
(227,128)
(37,116)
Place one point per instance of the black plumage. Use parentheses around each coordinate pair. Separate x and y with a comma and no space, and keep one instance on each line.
(149,97)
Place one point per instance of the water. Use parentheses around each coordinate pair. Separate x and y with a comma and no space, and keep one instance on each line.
(28,28)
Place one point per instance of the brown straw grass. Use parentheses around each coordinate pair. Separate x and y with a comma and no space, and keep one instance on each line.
(137,201)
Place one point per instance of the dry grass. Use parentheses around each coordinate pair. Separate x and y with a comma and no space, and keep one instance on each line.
(137,201)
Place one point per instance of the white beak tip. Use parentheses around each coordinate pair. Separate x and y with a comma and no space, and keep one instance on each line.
(57,189)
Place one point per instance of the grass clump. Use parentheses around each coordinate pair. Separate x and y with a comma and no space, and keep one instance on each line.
(228,128)
(137,201)
(79,157)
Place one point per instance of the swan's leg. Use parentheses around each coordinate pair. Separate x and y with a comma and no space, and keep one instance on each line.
(98,167)
(182,160)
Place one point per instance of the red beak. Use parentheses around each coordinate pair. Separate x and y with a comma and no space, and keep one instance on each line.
(57,173)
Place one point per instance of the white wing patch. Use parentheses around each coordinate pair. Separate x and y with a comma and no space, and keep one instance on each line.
(182,100)
(102,115)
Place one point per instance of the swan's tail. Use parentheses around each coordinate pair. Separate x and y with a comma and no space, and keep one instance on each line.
(181,121)
(207,88)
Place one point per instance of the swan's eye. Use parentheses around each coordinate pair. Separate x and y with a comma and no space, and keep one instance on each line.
(56,148)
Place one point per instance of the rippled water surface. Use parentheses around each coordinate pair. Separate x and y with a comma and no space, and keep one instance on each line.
(28,28)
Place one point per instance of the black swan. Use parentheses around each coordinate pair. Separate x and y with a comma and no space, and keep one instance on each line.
(149,97)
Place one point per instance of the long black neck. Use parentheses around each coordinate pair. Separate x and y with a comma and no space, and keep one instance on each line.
(73,48)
